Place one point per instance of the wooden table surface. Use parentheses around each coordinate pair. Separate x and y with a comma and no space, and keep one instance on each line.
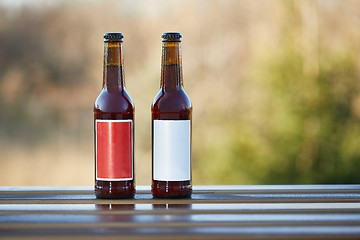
(214,212)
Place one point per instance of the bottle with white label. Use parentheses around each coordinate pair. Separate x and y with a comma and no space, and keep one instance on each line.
(171,126)
(114,127)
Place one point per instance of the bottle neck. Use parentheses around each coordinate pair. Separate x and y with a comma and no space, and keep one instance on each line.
(171,66)
(113,74)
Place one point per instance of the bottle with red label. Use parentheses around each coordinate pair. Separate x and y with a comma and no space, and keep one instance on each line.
(114,127)
(171,126)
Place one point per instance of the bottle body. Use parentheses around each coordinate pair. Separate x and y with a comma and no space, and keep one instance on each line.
(114,127)
(171,128)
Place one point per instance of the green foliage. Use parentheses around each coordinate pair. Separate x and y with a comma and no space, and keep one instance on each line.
(307,127)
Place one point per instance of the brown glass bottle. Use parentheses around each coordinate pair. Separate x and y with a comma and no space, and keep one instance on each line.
(114,127)
(171,126)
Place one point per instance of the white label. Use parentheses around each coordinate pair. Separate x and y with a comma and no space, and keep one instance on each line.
(171,150)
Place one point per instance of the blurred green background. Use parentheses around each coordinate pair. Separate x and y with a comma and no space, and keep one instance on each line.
(275,87)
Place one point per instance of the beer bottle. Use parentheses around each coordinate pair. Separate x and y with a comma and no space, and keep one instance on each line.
(114,127)
(171,126)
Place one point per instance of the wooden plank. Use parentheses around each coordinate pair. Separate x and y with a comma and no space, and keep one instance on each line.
(351,188)
(175,220)
(196,198)
(215,189)
(103,209)
(236,232)
(328,188)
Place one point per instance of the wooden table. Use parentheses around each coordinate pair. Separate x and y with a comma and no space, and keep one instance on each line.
(214,212)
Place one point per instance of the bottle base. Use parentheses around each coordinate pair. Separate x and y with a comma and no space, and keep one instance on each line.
(114,189)
(171,189)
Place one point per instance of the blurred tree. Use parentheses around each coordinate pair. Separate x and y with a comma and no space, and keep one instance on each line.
(306,128)
(37,67)
(274,84)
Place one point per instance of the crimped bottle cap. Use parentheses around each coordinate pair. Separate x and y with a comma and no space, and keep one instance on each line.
(113,37)
(171,37)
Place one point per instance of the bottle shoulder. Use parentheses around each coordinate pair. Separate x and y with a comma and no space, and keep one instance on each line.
(114,101)
(172,101)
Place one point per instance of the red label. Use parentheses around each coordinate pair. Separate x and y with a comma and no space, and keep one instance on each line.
(114,150)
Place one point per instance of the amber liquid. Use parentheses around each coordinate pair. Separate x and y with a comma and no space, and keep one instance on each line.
(114,103)
(171,103)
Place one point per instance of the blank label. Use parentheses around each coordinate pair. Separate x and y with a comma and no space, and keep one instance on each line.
(171,150)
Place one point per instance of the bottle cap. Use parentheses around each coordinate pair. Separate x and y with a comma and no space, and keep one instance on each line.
(171,37)
(113,37)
